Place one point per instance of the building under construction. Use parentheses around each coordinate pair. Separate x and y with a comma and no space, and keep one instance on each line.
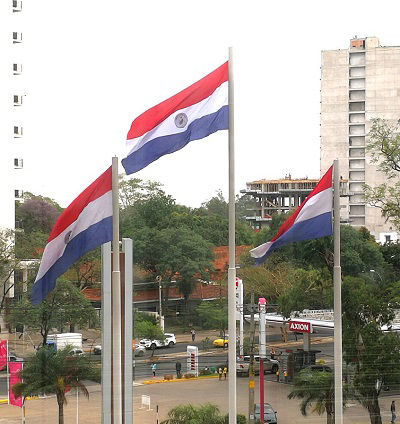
(275,196)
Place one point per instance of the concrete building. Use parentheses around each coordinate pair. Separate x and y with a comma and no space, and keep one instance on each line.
(275,196)
(357,84)
(11,110)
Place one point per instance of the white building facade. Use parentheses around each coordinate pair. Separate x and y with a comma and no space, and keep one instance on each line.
(358,84)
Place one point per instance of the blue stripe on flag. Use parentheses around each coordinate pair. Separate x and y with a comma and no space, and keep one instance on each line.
(161,146)
(96,234)
(312,228)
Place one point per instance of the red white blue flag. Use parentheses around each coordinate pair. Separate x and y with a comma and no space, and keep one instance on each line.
(311,220)
(192,114)
(85,224)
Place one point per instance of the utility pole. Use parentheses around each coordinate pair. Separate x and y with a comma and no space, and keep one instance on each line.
(251,364)
(262,303)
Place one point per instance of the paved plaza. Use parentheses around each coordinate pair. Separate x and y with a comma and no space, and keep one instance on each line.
(167,395)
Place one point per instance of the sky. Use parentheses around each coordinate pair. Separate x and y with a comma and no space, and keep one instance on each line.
(92,66)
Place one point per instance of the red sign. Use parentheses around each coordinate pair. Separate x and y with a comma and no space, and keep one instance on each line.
(3,354)
(300,326)
(15,368)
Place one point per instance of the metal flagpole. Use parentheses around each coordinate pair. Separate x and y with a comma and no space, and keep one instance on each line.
(232,267)
(116,304)
(337,293)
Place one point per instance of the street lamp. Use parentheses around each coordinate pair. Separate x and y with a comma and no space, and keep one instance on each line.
(377,273)
(158,279)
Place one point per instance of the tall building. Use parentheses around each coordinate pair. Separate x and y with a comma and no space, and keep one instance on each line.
(275,196)
(11,110)
(358,84)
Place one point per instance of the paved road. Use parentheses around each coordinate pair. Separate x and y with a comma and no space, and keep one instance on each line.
(168,395)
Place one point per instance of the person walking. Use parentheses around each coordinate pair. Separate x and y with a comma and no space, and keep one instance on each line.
(153,369)
(220,371)
(193,333)
(225,371)
(178,367)
(393,411)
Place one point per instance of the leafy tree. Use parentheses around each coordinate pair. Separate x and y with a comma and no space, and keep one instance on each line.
(50,371)
(311,289)
(317,391)
(203,414)
(148,330)
(384,148)
(65,305)
(174,253)
(30,245)
(87,270)
(213,315)
(373,354)
(217,205)
(37,213)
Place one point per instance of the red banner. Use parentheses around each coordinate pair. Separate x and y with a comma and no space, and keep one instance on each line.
(15,368)
(3,354)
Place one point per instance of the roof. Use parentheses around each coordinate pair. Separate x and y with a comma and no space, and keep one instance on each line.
(285,180)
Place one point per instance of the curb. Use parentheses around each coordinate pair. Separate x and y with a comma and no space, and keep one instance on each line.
(180,380)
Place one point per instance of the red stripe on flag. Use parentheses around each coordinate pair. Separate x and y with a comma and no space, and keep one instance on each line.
(324,183)
(100,186)
(197,92)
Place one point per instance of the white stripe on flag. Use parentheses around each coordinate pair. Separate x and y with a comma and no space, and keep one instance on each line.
(93,212)
(316,205)
(209,105)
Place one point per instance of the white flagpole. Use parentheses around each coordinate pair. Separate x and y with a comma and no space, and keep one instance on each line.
(232,267)
(337,293)
(116,304)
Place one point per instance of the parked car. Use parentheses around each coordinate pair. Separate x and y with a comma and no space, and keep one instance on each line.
(12,357)
(76,352)
(318,367)
(169,341)
(139,350)
(269,414)
(221,342)
(270,365)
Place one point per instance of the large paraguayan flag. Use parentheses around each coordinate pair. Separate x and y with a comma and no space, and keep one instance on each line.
(85,224)
(311,220)
(192,114)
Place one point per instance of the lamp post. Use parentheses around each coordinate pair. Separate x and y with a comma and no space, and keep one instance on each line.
(377,273)
(158,279)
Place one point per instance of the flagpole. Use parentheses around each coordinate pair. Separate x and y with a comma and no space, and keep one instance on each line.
(337,293)
(232,267)
(116,304)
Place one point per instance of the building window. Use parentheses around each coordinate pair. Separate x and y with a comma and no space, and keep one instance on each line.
(17,37)
(17,5)
(18,194)
(18,163)
(387,238)
(17,100)
(18,132)
(17,69)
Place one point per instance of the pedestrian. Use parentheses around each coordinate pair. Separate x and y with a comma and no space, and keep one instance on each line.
(193,333)
(272,353)
(220,371)
(153,369)
(393,411)
(225,371)
(178,367)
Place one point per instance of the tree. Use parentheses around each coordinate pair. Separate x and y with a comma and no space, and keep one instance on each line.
(65,305)
(213,315)
(86,270)
(317,391)
(50,371)
(384,148)
(372,355)
(203,414)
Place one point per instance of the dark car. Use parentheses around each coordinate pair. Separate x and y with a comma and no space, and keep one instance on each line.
(269,414)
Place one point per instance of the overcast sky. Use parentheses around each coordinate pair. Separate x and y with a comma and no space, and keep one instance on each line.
(92,66)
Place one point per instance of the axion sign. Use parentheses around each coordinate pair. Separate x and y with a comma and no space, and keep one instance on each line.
(300,326)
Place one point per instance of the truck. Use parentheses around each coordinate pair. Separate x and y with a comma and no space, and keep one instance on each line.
(59,341)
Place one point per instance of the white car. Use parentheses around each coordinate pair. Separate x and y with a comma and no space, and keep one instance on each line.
(169,341)
(139,350)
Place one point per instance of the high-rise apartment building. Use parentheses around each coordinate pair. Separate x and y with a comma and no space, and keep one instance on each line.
(12,94)
(357,84)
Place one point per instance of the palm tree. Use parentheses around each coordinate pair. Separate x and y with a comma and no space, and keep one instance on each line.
(50,371)
(316,389)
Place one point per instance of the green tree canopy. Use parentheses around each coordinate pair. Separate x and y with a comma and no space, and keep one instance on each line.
(65,305)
